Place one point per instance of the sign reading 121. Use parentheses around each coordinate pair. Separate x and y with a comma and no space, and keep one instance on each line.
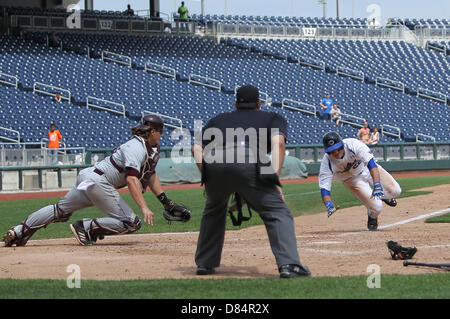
(309,32)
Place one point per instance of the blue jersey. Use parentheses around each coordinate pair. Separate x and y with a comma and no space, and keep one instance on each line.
(328,103)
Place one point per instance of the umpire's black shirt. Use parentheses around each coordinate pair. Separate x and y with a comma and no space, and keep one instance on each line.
(251,127)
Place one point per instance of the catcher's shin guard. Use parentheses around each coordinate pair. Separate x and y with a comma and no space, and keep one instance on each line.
(27,232)
(39,219)
(97,231)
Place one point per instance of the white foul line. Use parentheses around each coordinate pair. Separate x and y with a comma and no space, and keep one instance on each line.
(415,218)
(399,223)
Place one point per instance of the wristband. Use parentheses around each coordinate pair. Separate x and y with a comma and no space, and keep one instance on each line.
(163,198)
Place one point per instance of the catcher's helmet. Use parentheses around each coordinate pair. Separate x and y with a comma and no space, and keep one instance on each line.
(332,141)
(148,123)
(153,121)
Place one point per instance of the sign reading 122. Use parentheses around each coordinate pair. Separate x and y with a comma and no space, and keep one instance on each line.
(106,24)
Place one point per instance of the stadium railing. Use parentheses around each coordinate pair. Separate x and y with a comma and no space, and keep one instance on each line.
(393,156)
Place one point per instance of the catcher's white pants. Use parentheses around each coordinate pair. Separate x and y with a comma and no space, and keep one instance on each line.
(360,186)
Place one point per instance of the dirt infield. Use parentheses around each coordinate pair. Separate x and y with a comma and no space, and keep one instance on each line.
(339,246)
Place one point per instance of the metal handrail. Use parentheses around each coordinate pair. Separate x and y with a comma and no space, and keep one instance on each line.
(105,108)
(105,58)
(35,84)
(284,105)
(361,119)
(384,132)
(8,138)
(16,79)
(320,64)
(219,87)
(350,74)
(379,81)
(165,116)
(171,74)
(444,99)
(434,47)
(424,135)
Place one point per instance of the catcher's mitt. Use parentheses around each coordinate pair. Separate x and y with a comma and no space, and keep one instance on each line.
(398,252)
(176,213)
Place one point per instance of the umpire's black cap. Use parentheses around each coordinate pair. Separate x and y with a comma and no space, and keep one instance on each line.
(247,96)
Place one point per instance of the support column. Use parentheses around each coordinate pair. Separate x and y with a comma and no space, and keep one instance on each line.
(154,8)
(88,4)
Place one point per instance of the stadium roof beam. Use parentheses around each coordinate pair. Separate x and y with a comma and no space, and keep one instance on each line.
(153,6)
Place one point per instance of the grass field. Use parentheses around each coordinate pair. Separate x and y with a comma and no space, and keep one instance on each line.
(302,198)
(391,286)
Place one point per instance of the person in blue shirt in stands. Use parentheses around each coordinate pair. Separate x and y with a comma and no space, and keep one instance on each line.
(326,105)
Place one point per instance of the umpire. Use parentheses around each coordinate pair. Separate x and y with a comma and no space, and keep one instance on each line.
(232,157)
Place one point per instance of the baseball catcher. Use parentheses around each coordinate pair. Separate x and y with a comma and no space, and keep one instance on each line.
(398,252)
(174,212)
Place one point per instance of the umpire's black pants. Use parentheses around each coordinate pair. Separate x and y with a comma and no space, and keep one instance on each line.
(222,181)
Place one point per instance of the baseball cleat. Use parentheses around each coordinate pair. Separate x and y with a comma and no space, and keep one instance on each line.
(81,235)
(391,202)
(292,271)
(372,223)
(10,238)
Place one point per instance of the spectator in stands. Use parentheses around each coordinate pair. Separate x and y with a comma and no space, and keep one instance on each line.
(326,104)
(364,133)
(54,41)
(129,11)
(183,11)
(54,138)
(58,97)
(374,24)
(336,114)
(374,136)
(389,24)
(183,15)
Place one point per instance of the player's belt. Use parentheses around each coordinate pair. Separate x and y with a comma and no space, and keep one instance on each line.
(99,172)
(120,169)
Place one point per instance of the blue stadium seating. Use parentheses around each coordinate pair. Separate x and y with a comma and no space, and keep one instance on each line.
(140,90)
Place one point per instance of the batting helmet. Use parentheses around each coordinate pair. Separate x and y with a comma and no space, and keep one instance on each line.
(332,141)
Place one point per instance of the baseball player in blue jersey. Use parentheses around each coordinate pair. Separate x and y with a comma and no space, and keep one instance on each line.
(351,161)
(131,164)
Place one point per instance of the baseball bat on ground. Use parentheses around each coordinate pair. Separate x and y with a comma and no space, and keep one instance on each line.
(443,266)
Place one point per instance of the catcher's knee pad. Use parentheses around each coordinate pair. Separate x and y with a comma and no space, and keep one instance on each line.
(133,226)
(60,215)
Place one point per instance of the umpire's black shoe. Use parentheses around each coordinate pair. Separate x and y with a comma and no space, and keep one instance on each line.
(372,223)
(201,270)
(81,235)
(291,271)
(391,202)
